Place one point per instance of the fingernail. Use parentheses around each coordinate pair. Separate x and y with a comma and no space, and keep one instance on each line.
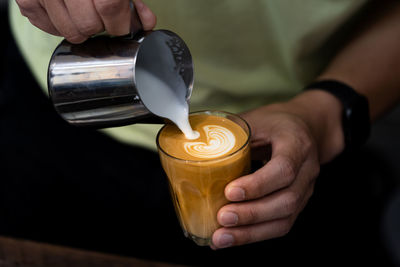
(236,194)
(228,218)
(224,241)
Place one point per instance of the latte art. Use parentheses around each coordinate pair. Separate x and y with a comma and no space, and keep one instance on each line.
(217,137)
(220,141)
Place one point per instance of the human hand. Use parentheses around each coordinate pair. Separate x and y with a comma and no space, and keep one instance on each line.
(77,20)
(266,203)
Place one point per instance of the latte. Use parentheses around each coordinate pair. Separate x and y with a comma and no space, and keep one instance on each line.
(198,170)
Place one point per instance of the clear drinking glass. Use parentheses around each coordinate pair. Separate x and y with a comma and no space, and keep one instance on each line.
(197,187)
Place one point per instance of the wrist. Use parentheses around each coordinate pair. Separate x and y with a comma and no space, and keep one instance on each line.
(323,114)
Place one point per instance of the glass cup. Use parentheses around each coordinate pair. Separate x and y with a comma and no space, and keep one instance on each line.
(197,187)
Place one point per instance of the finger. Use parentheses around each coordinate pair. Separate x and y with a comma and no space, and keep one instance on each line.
(37,15)
(147,17)
(279,205)
(227,237)
(62,21)
(288,154)
(85,17)
(115,14)
(256,222)
(278,173)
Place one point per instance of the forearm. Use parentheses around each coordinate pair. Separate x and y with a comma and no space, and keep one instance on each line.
(370,63)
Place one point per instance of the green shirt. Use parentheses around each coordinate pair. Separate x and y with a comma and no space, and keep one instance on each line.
(246,53)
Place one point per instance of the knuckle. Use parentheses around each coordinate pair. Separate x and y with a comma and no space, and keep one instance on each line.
(26,6)
(75,38)
(24,13)
(89,28)
(308,145)
(307,149)
(257,184)
(108,7)
(287,169)
(305,141)
(291,203)
(252,216)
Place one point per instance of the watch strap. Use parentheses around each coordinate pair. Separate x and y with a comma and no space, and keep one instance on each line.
(355,115)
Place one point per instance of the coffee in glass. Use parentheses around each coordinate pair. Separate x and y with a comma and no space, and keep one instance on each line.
(198,170)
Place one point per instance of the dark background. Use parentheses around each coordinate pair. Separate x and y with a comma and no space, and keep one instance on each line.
(77,187)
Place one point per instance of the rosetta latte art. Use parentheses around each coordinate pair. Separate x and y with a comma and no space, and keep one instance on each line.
(219,142)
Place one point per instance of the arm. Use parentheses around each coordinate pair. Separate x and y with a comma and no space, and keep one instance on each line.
(369,63)
(306,131)
(77,20)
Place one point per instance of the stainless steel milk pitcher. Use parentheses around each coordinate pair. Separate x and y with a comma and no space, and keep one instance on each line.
(94,83)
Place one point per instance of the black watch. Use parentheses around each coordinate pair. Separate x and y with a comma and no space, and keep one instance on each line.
(355,117)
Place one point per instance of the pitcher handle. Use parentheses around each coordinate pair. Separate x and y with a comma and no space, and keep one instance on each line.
(136,24)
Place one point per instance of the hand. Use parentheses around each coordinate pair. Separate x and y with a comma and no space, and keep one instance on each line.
(77,20)
(266,203)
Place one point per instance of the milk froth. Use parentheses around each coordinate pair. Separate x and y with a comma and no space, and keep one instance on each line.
(220,142)
(218,137)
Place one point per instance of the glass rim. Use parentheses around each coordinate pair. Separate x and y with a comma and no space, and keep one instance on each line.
(210,112)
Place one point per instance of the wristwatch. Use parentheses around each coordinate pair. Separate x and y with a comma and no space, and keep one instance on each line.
(355,115)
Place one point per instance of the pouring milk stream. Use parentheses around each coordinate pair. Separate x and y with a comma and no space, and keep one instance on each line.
(164,100)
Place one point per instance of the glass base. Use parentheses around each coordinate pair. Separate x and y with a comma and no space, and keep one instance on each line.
(198,240)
